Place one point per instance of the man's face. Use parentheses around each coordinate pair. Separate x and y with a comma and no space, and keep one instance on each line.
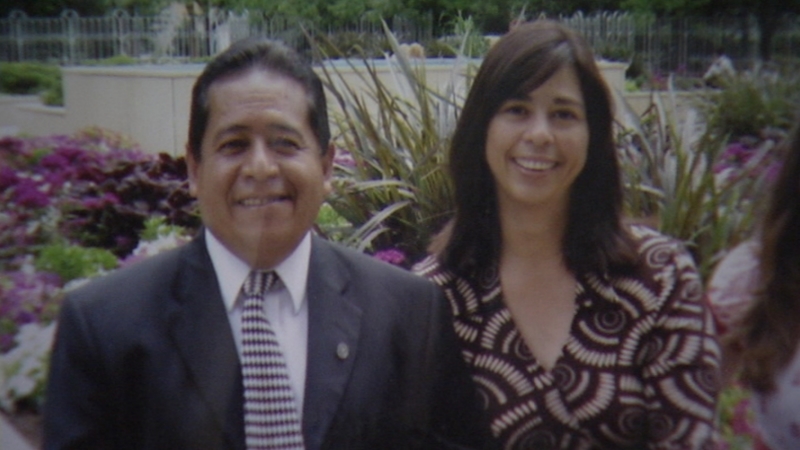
(262,176)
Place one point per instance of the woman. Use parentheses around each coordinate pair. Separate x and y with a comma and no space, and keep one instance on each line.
(580,333)
(755,296)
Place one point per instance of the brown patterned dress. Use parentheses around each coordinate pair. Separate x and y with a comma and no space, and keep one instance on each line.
(639,370)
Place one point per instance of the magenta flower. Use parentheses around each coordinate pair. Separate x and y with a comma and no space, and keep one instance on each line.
(391,256)
(8,178)
(108,199)
(29,194)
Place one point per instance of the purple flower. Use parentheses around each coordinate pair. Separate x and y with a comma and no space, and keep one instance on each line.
(8,178)
(741,421)
(344,158)
(391,256)
(30,195)
(108,199)
(13,151)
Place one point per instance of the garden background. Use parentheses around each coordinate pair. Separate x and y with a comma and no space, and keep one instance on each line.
(77,205)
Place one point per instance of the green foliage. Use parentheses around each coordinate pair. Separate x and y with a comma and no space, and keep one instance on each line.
(437,48)
(347,44)
(670,175)
(157,226)
(72,262)
(752,102)
(473,43)
(28,77)
(53,95)
(330,223)
(389,182)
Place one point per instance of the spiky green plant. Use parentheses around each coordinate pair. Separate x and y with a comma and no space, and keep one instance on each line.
(389,181)
(670,175)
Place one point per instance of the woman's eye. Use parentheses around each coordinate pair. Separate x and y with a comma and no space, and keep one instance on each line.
(516,110)
(565,115)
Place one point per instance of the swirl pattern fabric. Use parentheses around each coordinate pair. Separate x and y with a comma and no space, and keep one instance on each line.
(639,370)
(271,418)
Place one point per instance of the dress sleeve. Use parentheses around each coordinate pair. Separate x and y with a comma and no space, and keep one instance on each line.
(732,286)
(680,358)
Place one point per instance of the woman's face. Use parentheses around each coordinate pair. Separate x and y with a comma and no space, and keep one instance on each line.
(536,145)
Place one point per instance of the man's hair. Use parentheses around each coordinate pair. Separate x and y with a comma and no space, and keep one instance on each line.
(258,54)
(517,64)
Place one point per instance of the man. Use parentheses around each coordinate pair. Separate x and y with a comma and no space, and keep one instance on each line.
(160,354)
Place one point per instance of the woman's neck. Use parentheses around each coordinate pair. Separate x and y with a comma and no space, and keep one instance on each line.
(535,235)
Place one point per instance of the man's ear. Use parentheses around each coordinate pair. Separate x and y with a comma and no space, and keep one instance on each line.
(191,170)
(327,167)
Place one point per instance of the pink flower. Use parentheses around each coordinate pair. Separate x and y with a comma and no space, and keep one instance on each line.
(391,256)
(741,420)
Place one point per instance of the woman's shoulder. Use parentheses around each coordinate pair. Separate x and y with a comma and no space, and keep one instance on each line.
(431,268)
(665,272)
(732,285)
(463,293)
(658,250)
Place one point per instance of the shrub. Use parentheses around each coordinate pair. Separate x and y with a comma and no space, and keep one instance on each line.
(751,103)
(688,180)
(71,262)
(28,78)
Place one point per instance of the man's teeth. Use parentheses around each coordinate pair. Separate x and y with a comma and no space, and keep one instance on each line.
(257,201)
(535,165)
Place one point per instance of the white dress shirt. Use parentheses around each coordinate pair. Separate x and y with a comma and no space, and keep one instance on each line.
(286,307)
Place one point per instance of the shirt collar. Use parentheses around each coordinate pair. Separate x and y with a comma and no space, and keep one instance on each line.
(232,271)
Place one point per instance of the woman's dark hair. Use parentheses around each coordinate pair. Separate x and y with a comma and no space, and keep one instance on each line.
(258,53)
(518,63)
(769,334)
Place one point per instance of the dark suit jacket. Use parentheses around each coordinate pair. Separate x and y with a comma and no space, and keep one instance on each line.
(144,358)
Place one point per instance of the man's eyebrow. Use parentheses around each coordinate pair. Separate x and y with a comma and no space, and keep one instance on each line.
(233,129)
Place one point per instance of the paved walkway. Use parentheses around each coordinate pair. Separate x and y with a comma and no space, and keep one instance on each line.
(10,439)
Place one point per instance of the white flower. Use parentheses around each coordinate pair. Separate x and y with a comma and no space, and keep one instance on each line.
(23,370)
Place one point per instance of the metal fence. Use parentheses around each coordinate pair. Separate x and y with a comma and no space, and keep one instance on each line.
(659,45)
(685,45)
(173,35)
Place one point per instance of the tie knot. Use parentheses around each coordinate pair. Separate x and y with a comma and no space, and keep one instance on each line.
(259,282)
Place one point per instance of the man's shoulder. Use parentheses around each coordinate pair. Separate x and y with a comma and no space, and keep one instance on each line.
(132,280)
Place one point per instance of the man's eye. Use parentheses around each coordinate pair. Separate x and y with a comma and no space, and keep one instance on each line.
(284,144)
(234,145)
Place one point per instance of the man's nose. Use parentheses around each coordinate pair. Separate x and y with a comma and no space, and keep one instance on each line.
(261,162)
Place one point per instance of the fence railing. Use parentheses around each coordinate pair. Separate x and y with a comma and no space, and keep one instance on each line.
(171,35)
(683,45)
(659,45)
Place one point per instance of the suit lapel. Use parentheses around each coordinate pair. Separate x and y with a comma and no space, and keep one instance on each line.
(202,335)
(334,324)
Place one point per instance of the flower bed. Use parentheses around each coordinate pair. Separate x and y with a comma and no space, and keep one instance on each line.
(75,207)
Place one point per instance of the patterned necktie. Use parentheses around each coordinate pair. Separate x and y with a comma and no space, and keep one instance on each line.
(270,414)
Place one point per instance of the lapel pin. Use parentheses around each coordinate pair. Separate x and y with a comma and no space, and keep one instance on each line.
(342,351)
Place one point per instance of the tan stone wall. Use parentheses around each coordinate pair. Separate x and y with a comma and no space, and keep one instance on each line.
(151,103)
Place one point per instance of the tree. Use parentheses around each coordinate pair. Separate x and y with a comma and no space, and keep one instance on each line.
(53,8)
